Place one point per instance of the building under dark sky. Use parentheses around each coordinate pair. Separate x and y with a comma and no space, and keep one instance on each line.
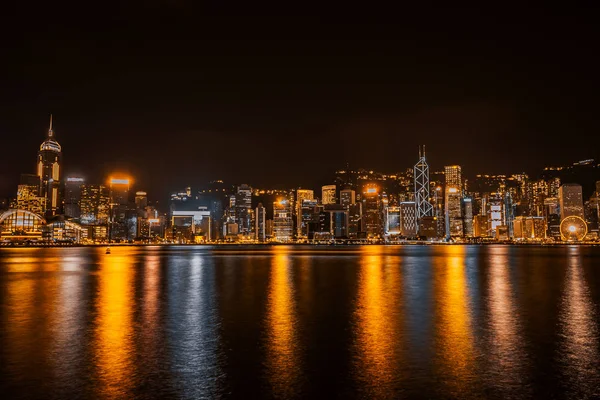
(176,97)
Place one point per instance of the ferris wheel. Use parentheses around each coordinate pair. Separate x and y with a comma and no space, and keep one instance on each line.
(573,228)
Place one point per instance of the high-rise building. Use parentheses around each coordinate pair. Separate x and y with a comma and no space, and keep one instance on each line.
(301,195)
(495,214)
(392,220)
(335,221)
(72,197)
(467,206)
(372,211)
(283,228)
(28,197)
(421,177)
(453,212)
(347,197)
(453,176)
(571,201)
(260,233)
(121,227)
(141,200)
(49,171)
(408,219)
(309,216)
(550,206)
(95,206)
(355,220)
(328,194)
(243,205)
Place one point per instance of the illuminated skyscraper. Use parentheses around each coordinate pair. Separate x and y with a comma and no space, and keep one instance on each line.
(121,228)
(28,197)
(243,205)
(408,219)
(328,194)
(49,172)
(454,219)
(301,195)
(282,221)
(372,212)
(95,206)
(421,176)
(571,200)
(453,176)
(467,205)
(392,220)
(495,213)
(259,223)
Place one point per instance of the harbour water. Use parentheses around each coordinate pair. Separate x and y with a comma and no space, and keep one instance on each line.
(300,322)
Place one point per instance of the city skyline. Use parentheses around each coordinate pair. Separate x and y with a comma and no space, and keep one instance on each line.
(161,194)
(418,204)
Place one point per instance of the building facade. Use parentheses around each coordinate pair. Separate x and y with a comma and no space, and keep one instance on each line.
(328,194)
(49,170)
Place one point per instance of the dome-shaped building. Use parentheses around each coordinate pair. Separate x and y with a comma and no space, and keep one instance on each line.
(49,172)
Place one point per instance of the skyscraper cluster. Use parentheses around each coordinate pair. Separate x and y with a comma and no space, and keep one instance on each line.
(53,208)
(358,206)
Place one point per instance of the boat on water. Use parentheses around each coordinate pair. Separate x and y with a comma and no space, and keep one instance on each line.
(108,250)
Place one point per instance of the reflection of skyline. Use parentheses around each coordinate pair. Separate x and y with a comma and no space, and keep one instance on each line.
(283,362)
(193,326)
(377,323)
(454,336)
(505,340)
(69,314)
(19,322)
(579,332)
(382,322)
(115,304)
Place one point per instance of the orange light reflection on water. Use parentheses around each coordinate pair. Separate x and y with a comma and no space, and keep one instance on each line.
(454,336)
(377,317)
(114,347)
(580,332)
(506,351)
(282,343)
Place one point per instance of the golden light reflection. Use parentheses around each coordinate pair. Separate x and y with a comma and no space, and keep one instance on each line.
(282,351)
(114,347)
(18,326)
(377,317)
(506,350)
(579,331)
(454,337)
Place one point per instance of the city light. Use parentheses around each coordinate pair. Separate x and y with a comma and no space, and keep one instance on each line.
(362,206)
(119,181)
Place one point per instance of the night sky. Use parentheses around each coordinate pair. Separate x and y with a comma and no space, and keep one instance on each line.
(177,97)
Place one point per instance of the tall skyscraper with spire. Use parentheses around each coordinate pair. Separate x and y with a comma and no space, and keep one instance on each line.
(49,171)
(421,176)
